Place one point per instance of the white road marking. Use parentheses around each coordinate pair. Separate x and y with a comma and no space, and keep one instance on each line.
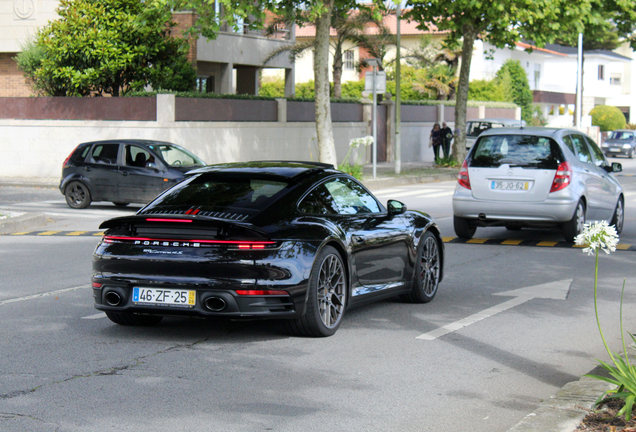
(96,316)
(46,294)
(557,290)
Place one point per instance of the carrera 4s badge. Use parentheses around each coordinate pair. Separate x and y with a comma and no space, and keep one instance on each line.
(157,251)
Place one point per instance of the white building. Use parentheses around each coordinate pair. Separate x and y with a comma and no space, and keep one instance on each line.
(552,75)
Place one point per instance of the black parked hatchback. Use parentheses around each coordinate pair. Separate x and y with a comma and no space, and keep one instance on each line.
(123,171)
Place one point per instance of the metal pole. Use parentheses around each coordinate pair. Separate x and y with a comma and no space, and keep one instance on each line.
(398,110)
(579,84)
(375,125)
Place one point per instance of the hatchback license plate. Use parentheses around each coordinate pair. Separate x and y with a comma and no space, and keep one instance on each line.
(167,297)
(614,149)
(508,185)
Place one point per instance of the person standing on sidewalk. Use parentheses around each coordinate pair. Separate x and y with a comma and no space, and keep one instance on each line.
(447,137)
(436,140)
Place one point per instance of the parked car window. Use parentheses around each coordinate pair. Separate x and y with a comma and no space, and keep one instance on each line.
(175,155)
(599,159)
(350,197)
(137,156)
(105,153)
(581,148)
(568,142)
(528,151)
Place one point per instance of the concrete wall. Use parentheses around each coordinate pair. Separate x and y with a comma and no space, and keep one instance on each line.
(37,148)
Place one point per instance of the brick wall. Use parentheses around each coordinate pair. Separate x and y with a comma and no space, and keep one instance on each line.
(184,21)
(12,82)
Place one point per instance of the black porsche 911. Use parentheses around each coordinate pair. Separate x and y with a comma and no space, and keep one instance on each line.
(298,241)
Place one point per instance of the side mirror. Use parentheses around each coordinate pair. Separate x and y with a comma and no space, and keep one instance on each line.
(615,167)
(395,207)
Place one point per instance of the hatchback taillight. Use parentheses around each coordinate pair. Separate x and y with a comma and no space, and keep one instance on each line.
(562,177)
(68,158)
(463,178)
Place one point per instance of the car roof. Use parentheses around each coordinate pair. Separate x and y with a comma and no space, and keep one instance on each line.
(496,120)
(282,169)
(142,142)
(538,131)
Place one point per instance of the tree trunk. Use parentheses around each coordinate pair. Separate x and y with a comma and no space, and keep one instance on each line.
(337,74)
(324,131)
(459,143)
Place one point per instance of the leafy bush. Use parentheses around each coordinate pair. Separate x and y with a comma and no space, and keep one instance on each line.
(274,89)
(608,118)
(483,90)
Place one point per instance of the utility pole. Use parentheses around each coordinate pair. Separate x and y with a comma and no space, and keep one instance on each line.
(398,110)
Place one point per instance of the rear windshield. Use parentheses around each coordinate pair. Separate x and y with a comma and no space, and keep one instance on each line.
(220,193)
(526,151)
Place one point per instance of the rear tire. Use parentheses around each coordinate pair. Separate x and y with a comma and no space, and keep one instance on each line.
(464,228)
(131,319)
(619,216)
(77,195)
(428,267)
(327,297)
(574,227)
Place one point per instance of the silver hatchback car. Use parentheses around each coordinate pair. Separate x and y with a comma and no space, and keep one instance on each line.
(536,178)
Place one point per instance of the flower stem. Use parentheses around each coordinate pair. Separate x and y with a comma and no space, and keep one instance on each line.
(598,322)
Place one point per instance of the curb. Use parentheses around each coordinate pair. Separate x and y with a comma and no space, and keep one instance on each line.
(564,411)
(386,182)
(22,222)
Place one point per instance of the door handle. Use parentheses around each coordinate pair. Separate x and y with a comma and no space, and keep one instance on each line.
(88,168)
(359,239)
(124,173)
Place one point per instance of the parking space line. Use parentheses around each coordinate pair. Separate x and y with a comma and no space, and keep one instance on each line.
(477,241)
(96,316)
(75,233)
(47,233)
(46,294)
(511,242)
(547,243)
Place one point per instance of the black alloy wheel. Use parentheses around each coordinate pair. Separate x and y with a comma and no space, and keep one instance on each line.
(327,297)
(77,195)
(427,270)
(131,319)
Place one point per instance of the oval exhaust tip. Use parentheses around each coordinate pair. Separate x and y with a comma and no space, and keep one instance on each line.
(112,298)
(215,304)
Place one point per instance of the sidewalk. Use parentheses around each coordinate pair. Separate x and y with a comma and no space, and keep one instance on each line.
(562,412)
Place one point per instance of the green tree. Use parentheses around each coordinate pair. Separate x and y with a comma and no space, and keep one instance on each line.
(102,47)
(515,83)
(499,22)
(349,26)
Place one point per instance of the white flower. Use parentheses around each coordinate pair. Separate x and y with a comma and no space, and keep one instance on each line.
(597,235)
(363,141)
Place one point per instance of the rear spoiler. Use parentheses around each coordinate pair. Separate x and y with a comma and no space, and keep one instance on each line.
(178,220)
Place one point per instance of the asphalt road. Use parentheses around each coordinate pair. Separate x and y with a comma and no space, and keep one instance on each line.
(472,360)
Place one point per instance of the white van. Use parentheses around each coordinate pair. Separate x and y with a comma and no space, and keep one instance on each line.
(477,126)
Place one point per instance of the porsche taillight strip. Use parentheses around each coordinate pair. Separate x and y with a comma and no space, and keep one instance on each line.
(242,244)
(261,292)
(169,220)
